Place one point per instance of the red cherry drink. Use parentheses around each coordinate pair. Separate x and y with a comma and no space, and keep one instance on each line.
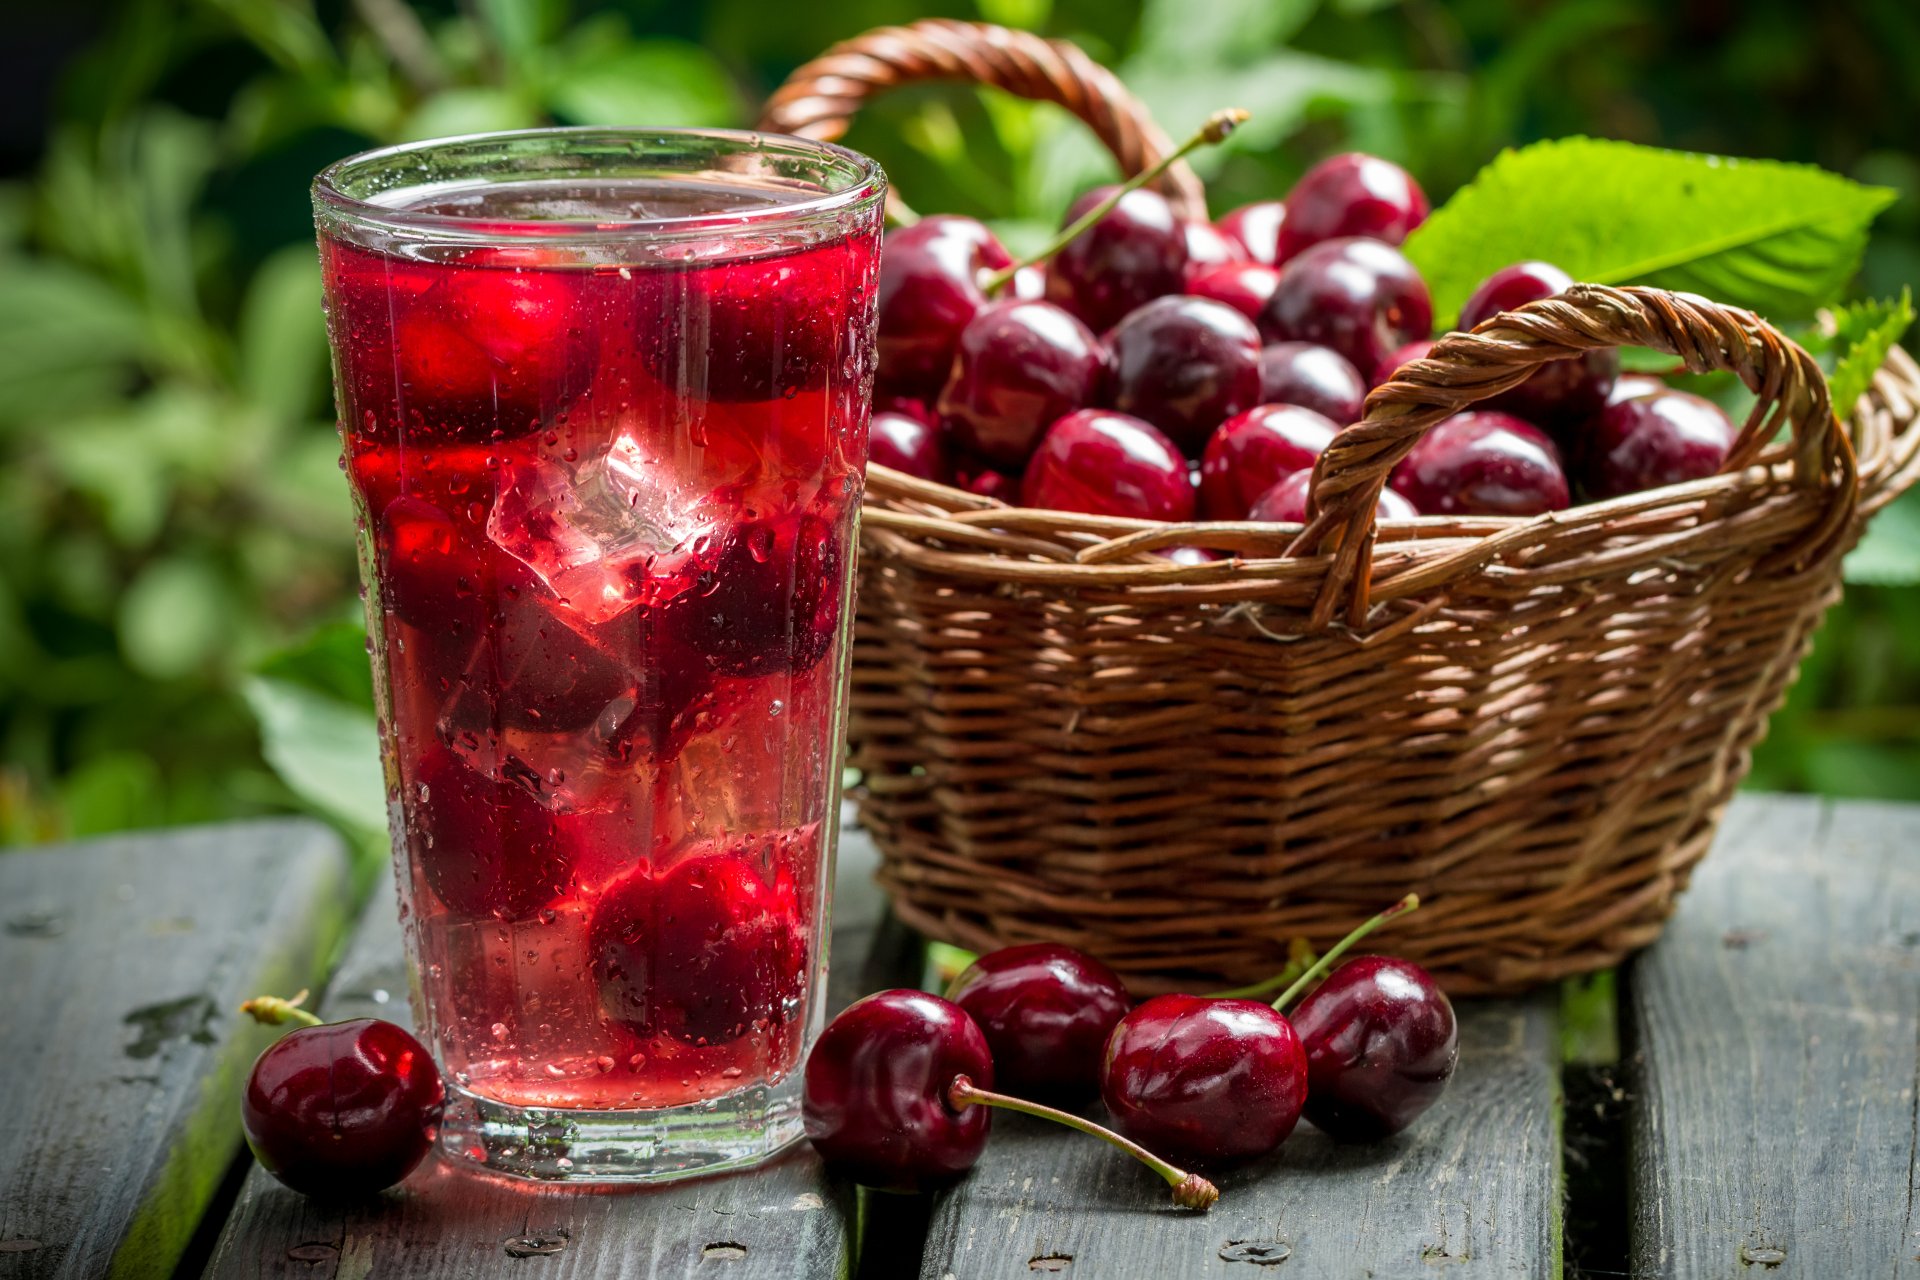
(604,403)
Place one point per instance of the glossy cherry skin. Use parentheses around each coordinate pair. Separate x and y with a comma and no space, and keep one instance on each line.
(1251,453)
(1204,1082)
(1244,286)
(909,445)
(906,406)
(1020,365)
(1662,437)
(344,1109)
(1107,463)
(1184,364)
(1046,1011)
(1360,297)
(1313,377)
(1208,246)
(770,603)
(1136,253)
(1351,195)
(490,847)
(1561,393)
(1486,464)
(1256,227)
(1399,358)
(1286,502)
(977,477)
(929,289)
(1631,386)
(1381,1044)
(874,1095)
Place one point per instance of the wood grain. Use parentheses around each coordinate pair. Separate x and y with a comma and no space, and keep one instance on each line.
(1776,1025)
(125,961)
(1471,1190)
(786,1221)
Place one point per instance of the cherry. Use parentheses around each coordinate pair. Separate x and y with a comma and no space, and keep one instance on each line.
(1351,195)
(1419,349)
(1656,438)
(1286,502)
(910,445)
(1256,227)
(1244,286)
(1483,463)
(889,1098)
(1188,555)
(1561,393)
(488,848)
(1107,463)
(1208,246)
(1018,367)
(1381,1044)
(1313,377)
(1135,253)
(1186,365)
(1046,1010)
(433,571)
(1256,450)
(987,482)
(1631,386)
(341,1109)
(704,952)
(1360,297)
(906,406)
(930,287)
(771,601)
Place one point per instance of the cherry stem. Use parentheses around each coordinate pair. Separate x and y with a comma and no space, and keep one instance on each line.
(1190,1190)
(273,1011)
(1318,969)
(1218,126)
(1300,958)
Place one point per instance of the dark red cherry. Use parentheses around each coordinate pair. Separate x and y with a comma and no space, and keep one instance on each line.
(1107,463)
(1381,1044)
(344,1109)
(1046,1011)
(1561,393)
(929,289)
(1631,386)
(1186,365)
(1313,377)
(771,601)
(1257,229)
(977,477)
(1134,254)
(907,406)
(1351,195)
(1209,246)
(1485,463)
(1286,502)
(1018,367)
(874,1096)
(1658,438)
(485,848)
(910,445)
(1251,453)
(434,570)
(1202,1081)
(706,952)
(1244,286)
(1360,297)
(1400,357)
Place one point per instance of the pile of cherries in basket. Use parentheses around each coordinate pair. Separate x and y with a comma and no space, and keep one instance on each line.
(1163,369)
(897,1087)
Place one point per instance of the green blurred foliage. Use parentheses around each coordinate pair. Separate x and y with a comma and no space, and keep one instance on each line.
(178,625)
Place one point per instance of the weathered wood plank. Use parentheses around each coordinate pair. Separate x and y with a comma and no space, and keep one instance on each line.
(1775,1027)
(125,960)
(1472,1188)
(786,1221)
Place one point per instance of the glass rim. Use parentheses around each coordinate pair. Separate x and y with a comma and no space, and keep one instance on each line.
(867,186)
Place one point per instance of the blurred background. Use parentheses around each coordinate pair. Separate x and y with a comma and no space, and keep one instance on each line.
(179,629)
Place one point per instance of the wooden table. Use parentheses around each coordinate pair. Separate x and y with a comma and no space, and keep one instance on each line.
(1750,1110)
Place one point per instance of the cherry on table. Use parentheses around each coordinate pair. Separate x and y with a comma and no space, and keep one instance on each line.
(1561,393)
(930,287)
(1256,450)
(1313,377)
(1184,364)
(1018,367)
(1399,358)
(1483,463)
(1286,502)
(1351,195)
(1360,297)
(1135,253)
(911,445)
(1657,438)
(1381,1043)
(1106,463)
(1046,1010)
(1256,228)
(1244,286)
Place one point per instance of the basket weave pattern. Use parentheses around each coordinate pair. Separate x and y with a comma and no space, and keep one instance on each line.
(1534,723)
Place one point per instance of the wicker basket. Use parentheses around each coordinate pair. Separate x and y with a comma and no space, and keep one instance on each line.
(1535,723)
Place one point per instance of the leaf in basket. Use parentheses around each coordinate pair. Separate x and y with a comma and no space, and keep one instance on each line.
(1863,334)
(1889,553)
(1782,239)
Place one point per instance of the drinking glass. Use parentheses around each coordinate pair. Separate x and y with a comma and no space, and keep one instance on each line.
(603,396)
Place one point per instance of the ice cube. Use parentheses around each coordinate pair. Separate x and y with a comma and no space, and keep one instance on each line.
(612,530)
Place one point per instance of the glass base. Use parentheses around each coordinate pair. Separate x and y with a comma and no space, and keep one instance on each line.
(547,1144)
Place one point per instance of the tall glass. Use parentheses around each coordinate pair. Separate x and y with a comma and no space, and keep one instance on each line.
(604,400)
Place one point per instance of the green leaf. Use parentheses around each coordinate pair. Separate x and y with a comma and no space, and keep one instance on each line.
(66,339)
(1863,335)
(457,111)
(283,335)
(327,751)
(646,83)
(174,617)
(331,660)
(1027,15)
(286,31)
(1179,33)
(1783,239)
(1889,553)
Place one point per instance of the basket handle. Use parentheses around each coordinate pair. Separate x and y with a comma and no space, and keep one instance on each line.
(819,99)
(1503,351)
